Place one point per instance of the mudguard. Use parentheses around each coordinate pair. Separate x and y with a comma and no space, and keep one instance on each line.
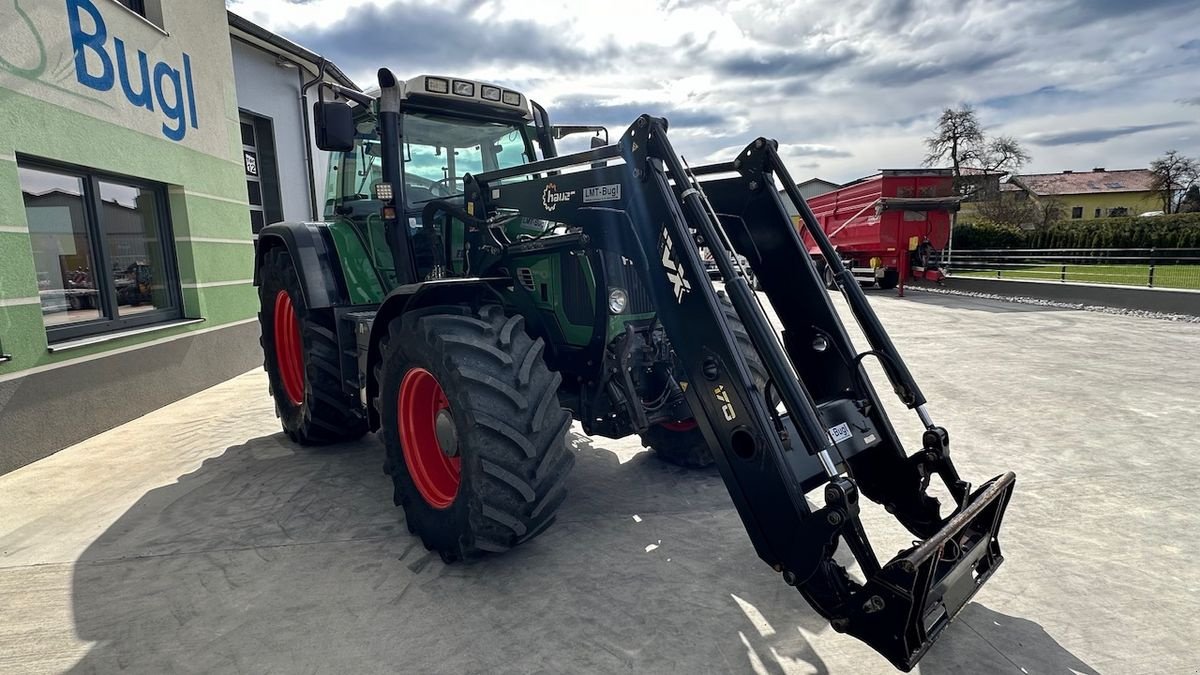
(413,296)
(315,257)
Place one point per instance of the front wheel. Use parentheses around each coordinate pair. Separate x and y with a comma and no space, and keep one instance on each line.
(680,442)
(300,355)
(475,435)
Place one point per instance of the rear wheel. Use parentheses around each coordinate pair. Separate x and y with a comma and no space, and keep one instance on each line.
(889,280)
(300,355)
(681,442)
(475,435)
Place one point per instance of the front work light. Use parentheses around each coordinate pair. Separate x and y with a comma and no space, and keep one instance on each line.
(618,300)
(512,98)
(383,192)
(437,85)
(464,88)
(489,93)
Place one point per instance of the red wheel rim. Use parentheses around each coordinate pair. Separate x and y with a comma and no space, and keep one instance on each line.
(685,425)
(435,474)
(289,349)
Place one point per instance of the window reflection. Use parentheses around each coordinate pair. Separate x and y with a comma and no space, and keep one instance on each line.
(62,248)
(135,254)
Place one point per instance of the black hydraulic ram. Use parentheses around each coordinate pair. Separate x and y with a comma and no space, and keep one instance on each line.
(832,435)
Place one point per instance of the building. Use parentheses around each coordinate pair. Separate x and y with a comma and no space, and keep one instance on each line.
(132,167)
(1098,193)
(809,189)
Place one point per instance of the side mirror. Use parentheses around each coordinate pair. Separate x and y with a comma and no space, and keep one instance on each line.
(334,125)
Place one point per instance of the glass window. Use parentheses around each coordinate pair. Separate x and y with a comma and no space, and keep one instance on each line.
(138,6)
(1076,211)
(62,246)
(132,241)
(440,150)
(101,251)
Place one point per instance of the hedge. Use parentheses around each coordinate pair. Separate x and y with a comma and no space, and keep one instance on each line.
(1179,230)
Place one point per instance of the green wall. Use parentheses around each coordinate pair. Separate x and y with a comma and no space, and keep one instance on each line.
(45,113)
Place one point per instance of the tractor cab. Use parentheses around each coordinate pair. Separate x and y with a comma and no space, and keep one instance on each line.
(447,128)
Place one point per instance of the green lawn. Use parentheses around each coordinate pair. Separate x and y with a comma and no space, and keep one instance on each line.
(1165,276)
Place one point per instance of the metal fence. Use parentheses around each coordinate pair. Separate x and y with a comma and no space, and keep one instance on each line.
(1151,267)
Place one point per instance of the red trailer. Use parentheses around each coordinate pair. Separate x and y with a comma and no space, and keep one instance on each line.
(888,227)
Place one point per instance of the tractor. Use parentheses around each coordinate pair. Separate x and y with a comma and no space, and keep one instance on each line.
(466,299)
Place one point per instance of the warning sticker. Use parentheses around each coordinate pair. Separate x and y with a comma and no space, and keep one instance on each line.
(840,433)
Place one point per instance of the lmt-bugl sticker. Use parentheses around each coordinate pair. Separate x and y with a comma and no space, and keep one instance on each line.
(602,193)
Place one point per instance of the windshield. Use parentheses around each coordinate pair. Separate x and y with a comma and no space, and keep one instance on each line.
(439,151)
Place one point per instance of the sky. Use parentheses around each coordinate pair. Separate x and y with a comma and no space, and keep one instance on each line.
(846,88)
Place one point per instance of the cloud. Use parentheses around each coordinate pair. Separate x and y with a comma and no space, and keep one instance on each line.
(896,73)
(847,87)
(811,150)
(1042,96)
(1083,136)
(781,63)
(441,38)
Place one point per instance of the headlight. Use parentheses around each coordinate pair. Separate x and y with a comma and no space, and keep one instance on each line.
(511,98)
(618,300)
(437,85)
(489,93)
(464,88)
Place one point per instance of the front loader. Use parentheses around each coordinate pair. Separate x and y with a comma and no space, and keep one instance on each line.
(466,301)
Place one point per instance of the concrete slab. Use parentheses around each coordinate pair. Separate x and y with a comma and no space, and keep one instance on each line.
(197,538)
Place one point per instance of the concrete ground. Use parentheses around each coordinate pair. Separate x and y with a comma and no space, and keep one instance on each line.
(197,538)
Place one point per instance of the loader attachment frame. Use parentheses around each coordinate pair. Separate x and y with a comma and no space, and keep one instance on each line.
(639,200)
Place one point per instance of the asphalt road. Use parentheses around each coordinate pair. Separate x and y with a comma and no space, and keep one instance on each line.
(198,538)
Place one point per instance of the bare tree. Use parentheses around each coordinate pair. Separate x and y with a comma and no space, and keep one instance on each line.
(958,136)
(1002,153)
(1173,173)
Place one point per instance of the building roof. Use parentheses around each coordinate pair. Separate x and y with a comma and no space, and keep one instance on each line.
(254,34)
(1096,181)
(815,186)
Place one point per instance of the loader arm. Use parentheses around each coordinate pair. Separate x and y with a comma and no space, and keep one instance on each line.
(832,435)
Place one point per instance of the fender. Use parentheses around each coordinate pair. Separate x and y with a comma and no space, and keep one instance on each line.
(320,275)
(414,296)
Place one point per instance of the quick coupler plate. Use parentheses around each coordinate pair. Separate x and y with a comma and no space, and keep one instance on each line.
(902,609)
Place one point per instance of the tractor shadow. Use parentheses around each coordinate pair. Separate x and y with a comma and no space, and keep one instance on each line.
(272,557)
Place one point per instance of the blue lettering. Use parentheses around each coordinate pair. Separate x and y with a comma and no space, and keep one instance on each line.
(143,98)
(93,41)
(173,111)
(191,95)
(167,85)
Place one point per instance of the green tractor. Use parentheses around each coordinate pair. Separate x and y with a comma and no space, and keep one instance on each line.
(466,300)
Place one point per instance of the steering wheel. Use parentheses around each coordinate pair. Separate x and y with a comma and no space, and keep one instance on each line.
(447,185)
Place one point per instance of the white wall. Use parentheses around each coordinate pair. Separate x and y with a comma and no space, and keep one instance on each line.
(266,89)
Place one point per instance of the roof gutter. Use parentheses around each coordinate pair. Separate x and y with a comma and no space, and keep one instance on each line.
(248,29)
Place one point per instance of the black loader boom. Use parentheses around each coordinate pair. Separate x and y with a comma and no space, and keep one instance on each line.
(817,423)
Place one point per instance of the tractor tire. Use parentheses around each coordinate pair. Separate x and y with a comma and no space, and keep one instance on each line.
(681,443)
(475,436)
(889,280)
(301,357)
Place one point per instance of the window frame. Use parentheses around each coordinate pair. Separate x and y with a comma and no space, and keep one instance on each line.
(110,320)
(270,185)
(136,6)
